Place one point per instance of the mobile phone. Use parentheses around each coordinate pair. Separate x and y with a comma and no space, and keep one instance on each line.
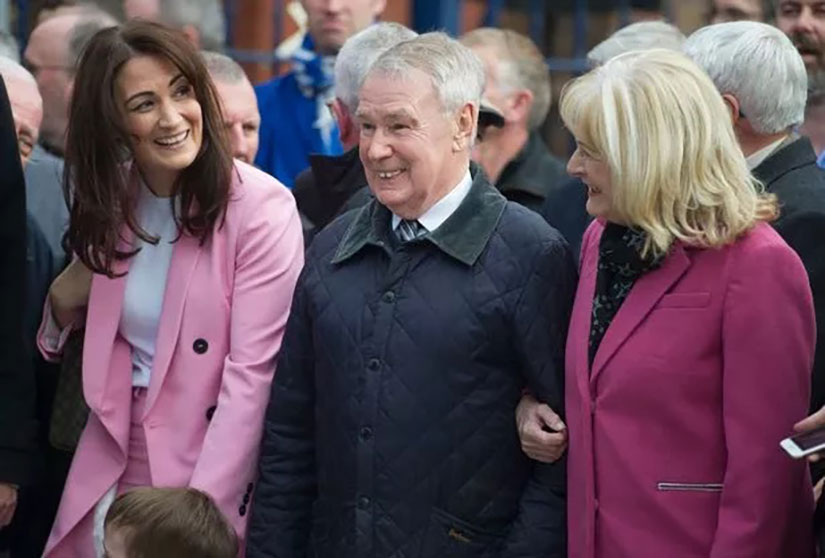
(802,445)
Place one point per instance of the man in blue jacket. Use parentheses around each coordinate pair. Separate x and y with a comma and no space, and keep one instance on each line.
(295,118)
(418,322)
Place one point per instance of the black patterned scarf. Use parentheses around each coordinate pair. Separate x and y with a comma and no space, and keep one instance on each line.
(620,265)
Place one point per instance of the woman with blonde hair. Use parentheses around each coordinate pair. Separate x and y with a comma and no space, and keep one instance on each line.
(692,336)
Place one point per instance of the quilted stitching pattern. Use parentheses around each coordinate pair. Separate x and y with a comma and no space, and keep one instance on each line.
(389,409)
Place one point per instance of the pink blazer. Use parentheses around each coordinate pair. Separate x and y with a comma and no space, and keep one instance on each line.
(674,433)
(224,312)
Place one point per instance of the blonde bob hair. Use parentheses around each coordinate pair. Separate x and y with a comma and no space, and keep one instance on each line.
(676,168)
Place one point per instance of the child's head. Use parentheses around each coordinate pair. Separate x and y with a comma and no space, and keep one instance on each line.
(167,522)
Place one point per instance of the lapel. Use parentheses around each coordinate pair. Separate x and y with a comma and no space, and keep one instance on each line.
(185,256)
(103,390)
(644,295)
(583,317)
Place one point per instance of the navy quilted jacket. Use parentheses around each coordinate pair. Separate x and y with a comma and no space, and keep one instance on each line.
(390,432)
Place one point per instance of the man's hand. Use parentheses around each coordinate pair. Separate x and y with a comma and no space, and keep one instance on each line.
(8,503)
(543,434)
(816,420)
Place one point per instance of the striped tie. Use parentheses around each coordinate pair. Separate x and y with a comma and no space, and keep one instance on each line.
(410,230)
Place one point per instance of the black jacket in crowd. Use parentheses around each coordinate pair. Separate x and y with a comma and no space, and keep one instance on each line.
(799,184)
(390,430)
(565,209)
(331,186)
(532,175)
(18,434)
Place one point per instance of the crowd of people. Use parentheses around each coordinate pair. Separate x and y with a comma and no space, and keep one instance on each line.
(360,310)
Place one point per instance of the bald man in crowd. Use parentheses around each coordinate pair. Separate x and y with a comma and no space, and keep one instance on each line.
(144,9)
(52,54)
(238,104)
(515,156)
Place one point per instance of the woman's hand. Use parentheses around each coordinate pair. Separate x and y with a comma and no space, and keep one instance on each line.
(543,434)
(69,293)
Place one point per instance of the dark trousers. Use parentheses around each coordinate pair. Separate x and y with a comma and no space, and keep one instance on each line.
(36,508)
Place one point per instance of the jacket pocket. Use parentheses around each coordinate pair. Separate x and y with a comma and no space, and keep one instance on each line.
(689,487)
(448,536)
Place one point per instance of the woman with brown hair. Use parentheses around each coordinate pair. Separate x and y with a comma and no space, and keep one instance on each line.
(185,265)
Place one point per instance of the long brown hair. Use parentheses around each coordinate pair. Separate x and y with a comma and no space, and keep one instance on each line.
(96,182)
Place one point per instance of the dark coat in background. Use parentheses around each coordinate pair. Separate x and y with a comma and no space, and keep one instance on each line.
(17,389)
(565,210)
(390,430)
(328,188)
(532,175)
(792,174)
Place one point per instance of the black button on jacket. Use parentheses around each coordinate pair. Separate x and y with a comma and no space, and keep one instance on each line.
(417,457)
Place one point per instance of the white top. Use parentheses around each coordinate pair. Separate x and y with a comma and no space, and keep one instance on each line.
(146,283)
(755,159)
(443,208)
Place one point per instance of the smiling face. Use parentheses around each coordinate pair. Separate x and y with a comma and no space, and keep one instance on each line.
(162,117)
(412,152)
(585,165)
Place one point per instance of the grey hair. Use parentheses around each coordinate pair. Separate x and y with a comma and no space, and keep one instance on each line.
(222,68)
(358,54)
(8,46)
(520,65)
(757,64)
(205,15)
(456,73)
(644,35)
(89,21)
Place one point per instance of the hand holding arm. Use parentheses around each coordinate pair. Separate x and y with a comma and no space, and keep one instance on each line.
(542,433)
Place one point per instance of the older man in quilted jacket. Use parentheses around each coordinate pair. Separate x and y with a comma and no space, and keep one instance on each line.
(418,322)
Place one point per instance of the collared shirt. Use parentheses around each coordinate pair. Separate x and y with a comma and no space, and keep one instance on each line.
(756,159)
(479,212)
(443,208)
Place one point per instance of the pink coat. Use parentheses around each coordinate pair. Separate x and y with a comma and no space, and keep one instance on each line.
(674,433)
(224,312)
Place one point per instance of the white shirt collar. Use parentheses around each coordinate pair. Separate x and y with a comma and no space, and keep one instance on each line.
(757,158)
(443,208)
